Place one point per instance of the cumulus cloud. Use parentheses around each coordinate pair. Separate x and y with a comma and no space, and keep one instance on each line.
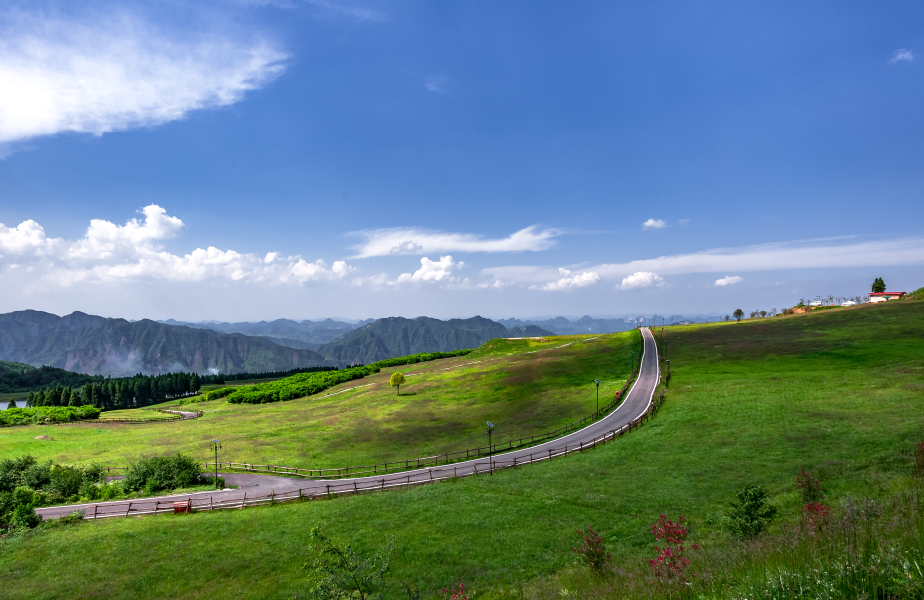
(727,280)
(900,55)
(653,224)
(641,279)
(111,253)
(384,242)
(569,281)
(432,270)
(116,73)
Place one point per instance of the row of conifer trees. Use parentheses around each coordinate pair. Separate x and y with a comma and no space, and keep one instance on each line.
(124,392)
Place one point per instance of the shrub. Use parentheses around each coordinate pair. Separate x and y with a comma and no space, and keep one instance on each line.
(809,486)
(163,473)
(814,516)
(454,593)
(592,551)
(47,414)
(919,460)
(220,393)
(750,513)
(670,566)
(341,572)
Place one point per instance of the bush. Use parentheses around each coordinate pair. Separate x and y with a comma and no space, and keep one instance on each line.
(47,414)
(592,551)
(220,393)
(750,513)
(809,487)
(163,473)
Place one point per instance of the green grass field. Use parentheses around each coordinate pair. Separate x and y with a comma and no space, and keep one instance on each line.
(525,387)
(837,391)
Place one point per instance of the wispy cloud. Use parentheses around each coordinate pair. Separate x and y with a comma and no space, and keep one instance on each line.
(653,224)
(387,242)
(900,55)
(568,281)
(816,254)
(117,73)
(728,280)
(110,253)
(641,279)
(437,85)
(347,9)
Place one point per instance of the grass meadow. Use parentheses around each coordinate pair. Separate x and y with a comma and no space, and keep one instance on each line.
(523,386)
(839,392)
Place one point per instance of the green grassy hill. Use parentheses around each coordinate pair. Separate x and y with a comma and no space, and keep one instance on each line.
(442,408)
(839,392)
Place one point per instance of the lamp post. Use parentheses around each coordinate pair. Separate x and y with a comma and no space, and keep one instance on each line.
(215,445)
(490,447)
(597,381)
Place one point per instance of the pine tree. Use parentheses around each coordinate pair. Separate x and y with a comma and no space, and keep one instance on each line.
(30,400)
(879,285)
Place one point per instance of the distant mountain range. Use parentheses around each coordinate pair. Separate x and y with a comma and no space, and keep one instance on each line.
(285,332)
(99,346)
(586,324)
(397,336)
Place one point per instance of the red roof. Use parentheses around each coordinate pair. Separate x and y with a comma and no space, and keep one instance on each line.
(887,293)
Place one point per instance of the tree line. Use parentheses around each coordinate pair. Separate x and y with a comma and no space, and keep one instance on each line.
(124,392)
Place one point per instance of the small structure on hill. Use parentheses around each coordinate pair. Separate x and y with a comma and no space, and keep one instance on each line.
(884,296)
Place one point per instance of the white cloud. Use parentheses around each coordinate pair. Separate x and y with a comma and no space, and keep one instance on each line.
(384,242)
(727,280)
(569,281)
(641,279)
(432,270)
(900,55)
(117,73)
(110,253)
(653,224)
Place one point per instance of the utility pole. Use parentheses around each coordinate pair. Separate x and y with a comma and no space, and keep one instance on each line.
(490,447)
(215,446)
(597,381)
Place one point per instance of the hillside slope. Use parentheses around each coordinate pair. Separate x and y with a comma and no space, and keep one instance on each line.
(96,345)
(397,336)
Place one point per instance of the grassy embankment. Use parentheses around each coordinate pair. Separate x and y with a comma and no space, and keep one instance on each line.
(838,392)
(441,409)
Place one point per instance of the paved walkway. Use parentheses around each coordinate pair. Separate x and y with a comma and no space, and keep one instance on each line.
(635,404)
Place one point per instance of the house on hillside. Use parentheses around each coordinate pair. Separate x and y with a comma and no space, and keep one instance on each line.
(884,296)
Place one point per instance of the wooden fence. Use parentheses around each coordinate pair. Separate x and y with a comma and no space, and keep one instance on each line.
(201,503)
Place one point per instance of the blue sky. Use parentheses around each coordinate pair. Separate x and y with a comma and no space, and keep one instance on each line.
(252,160)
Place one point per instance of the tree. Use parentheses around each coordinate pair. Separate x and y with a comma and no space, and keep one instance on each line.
(750,513)
(738,314)
(879,285)
(396,380)
(342,572)
(12,403)
(727,317)
(763,313)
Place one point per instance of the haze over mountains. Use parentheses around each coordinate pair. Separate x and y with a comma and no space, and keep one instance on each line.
(103,346)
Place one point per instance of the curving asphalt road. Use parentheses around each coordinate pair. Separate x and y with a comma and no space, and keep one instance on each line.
(636,403)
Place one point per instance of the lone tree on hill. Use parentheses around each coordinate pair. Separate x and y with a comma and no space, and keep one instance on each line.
(879,285)
(396,380)
(738,314)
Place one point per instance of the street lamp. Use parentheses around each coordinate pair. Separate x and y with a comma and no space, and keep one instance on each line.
(215,445)
(597,381)
(490,447)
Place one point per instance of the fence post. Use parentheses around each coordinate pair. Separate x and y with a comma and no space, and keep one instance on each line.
(129,509)
(328,490)
(244,500)
(94,511)
(211,505)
